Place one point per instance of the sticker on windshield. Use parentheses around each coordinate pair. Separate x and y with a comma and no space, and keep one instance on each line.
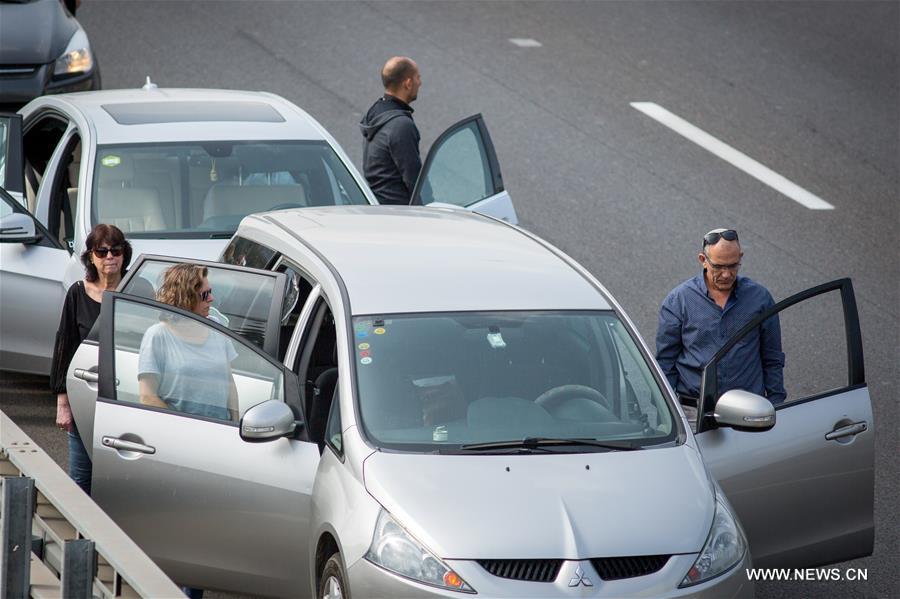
(379,331)
(495,339)
(365,353)
(366,360)
(362,334)
(110,161)
(363,346)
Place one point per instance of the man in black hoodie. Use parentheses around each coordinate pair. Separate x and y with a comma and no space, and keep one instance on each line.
(391,160)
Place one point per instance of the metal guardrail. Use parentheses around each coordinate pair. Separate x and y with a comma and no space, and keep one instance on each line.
(76,550)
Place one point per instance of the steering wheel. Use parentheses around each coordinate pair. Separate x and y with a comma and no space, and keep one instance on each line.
(286,205)
(554,397)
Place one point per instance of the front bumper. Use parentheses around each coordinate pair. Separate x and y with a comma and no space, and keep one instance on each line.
(366,580)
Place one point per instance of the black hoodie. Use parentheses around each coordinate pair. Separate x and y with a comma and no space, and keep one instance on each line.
(391,160)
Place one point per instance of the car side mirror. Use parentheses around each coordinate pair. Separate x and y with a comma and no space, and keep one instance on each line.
(267,421)
(18,228)
(744,411)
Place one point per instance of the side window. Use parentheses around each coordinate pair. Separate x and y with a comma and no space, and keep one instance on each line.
(241,300)
(244,252)
(459,172)
(40,142)
(181,364)
(296,291)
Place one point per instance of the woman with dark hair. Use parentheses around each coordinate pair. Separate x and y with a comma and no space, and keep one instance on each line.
(106,256)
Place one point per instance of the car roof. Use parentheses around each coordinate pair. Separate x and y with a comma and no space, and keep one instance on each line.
(401,259)
(222,115)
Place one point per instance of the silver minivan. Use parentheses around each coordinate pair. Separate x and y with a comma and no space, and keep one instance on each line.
(434,403)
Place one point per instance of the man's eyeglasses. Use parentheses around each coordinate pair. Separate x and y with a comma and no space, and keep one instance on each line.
(721,267)
(206,294)
(116,251)
(713,237)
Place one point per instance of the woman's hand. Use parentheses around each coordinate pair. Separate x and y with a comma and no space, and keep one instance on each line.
(64,419)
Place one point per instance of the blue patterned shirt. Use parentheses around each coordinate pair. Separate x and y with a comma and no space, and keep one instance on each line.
(692,328)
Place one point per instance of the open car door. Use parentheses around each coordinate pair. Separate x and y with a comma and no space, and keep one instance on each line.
(462,170)
(803,489)
(248,301)
(174,468)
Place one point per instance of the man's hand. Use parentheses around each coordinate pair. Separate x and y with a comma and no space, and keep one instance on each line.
(64,419)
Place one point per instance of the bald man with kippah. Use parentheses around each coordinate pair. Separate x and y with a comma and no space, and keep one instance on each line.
(391,161)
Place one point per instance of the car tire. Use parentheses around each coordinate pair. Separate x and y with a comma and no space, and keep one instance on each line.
(332,585)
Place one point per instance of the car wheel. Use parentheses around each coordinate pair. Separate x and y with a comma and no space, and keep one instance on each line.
(332,585)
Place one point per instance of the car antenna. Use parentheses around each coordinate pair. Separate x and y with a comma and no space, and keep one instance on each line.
(149,84)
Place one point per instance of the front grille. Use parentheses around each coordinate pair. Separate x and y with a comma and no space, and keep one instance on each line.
(617,568)
(530,570)
(17,70)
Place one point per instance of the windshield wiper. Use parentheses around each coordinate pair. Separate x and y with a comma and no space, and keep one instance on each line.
(544,442)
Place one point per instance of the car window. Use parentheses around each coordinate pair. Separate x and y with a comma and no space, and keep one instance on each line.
(445,380)
(204,190)
(242,300)
(244,252)
(181,364)
(459,172)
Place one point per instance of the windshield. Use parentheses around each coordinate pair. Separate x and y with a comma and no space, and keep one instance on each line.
(202,190)
(448,381)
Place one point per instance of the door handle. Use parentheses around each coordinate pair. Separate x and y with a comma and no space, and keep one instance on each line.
(89,375)
(847,431)
(124,445)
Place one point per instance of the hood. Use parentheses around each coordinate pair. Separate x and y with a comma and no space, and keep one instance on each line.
(568,506)
(33,33)
(199,249)
(381,112)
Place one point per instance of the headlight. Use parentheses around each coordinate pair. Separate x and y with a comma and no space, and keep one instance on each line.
(724,547)
(396,550)
(77,57)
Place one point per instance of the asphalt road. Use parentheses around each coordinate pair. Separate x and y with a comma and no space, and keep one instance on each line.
(810,89)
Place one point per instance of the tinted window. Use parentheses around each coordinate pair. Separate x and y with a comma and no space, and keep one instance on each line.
(142,113)
(445,380)
(243,252)
(204,190)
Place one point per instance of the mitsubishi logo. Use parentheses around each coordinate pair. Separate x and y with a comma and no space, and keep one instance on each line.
(580,578)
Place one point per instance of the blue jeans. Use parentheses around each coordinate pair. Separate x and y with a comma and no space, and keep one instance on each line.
(80,466)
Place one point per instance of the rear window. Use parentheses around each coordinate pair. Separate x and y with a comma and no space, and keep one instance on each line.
(204,189)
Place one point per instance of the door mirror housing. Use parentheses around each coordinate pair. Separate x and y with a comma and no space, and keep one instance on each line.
(269,420)
(744,411)
(18,228)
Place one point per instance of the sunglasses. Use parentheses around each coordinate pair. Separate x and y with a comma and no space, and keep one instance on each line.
(205,295)
(102,252)
(713,237)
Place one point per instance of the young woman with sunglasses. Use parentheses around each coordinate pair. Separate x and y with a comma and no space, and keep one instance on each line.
(105,259)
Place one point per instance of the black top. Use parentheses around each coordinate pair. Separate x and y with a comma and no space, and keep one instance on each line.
(79,314)
(391,159)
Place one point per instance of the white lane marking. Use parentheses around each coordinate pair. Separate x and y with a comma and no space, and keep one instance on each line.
(525,42)
(732,156)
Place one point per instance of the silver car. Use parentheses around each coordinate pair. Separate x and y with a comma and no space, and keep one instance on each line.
(438,404)
(176,170)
